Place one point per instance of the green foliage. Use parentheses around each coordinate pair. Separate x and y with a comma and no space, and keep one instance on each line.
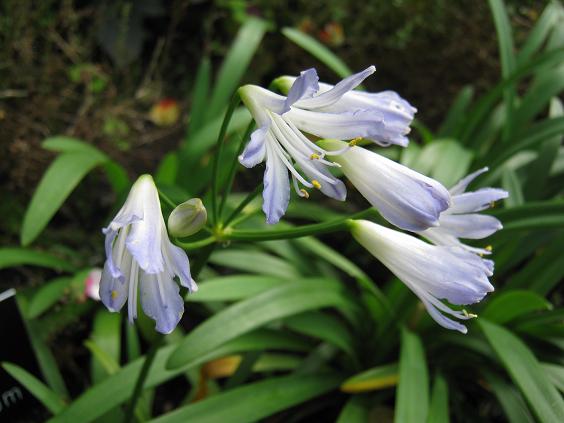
(293,320)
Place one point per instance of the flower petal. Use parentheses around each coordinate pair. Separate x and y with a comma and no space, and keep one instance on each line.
(367,123)
(450,273)
(255,150)
(144,238)
(161,300)
(404,197)
(113,291)
(461,186)
(276,193)
(335,93)
(474,201)
(304,87)
(470,226)
(177,264)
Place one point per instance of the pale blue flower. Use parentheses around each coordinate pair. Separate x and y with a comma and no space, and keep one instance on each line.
(461,220)
(321,110)
(405,198)
(433,273)
(139,256)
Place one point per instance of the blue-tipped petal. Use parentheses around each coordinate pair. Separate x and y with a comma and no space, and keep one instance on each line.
(276,193)
(405,198)
(178,264)
(161,301)
(470,226)
(334,94)
(475,201)
(305,86)
(255,150)
(113,291)
(461,186)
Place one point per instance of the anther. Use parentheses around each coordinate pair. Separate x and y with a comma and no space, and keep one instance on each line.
(314,156)
(492,204)
(354,141)
(469,315)
(316,184)
(305,193)
(114,294)
(489,248)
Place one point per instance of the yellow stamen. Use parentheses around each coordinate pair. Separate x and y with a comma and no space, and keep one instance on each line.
(354,141)
(115,294)
(471,315)
(489,248)
(314,156)
(492,204)
(305,193)
(316,184)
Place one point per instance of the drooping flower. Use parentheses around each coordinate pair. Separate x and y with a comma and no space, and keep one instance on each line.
(328,112)
(405,198)
(433,273)
(461,219)
(139,256)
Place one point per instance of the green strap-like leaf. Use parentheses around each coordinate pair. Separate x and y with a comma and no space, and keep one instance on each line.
(12,257)
(255,401)
(380,377)
(105,345)
(255,312)
(438,408)
(60,179)
(47,296)
(511,401)
(318,50)
(235,64)
(323,326)
(54,403)
(526,372)
(512,304)
(233,288)
(118,388)
(412,394)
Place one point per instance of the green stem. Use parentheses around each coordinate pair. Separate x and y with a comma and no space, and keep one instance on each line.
(233,168)
(220,141)
(196,244)
(166,199)
(138,390)
(250,197)
(306,230)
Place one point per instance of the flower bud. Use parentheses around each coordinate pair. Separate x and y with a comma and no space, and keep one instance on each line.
(187,218)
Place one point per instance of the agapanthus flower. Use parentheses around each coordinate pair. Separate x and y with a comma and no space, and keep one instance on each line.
(433,273)
(461,219)
(404,197)
(140,256)
(319,110)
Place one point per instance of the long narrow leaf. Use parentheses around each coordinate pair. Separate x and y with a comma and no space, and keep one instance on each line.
(267,397)
(412,395)
(250,314)
(526,372)
(46,396)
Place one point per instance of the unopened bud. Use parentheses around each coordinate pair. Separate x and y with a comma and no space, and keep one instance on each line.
(187,218)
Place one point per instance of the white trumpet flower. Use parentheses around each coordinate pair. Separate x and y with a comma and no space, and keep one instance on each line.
(322,111)
(433,273)
(139,255)
(405,198)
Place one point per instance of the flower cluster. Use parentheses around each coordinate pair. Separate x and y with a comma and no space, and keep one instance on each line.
(301,137)
(337,116)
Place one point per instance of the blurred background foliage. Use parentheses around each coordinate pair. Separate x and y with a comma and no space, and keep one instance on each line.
(93,93)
